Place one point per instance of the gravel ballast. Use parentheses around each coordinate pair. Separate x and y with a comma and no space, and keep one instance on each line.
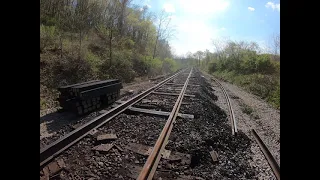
(238,157)
(54,124)
(252,112)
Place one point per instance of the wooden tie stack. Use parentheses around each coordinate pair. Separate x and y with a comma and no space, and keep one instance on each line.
(85,97)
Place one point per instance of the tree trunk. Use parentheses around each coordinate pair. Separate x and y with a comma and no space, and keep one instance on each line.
(80,45)
(61,46)
(71,45)
(110,47)
(155,48)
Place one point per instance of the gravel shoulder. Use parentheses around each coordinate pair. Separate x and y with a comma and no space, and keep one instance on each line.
(252,112)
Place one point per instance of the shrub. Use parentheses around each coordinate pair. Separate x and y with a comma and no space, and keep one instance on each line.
(274,98)
(67,70)
(47,36)
(94,62)
(265,86)
(169,65)
(155,66)
(264,64)
(213,67)
(120,67)
(140,65)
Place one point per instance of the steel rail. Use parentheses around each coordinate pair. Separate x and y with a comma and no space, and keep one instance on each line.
(272,162)
(52,150)
(231,113)
(151,164)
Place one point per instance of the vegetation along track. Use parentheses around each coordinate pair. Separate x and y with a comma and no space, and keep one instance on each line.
(201,145)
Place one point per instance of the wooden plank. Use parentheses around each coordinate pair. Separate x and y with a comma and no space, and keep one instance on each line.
(61,163)
(54,168)
(171,88)
(182,157)
(160,113)
(186,116)
(99,91)
(46,171)
(154,101)
(118,147)
(172,94)
(149,111)
(114,105)
(166,154)
(103,147)
(195,85)
(72,85)
(102,111)
(139,148)
(214,156)
(106,137)
(134,172)
(93,131)
(120,102)
(92,85)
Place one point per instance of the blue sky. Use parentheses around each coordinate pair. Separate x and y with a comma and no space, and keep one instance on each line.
(198,22)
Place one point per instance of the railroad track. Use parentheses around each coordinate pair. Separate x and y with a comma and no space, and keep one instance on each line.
(172,131)
(231,113)
(267,154)
(151,165)
(63,122)
(269,157)
(55,148)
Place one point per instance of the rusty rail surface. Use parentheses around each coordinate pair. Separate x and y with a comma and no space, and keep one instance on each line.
(151,164)
(52,150)
(272,162)
(231,113)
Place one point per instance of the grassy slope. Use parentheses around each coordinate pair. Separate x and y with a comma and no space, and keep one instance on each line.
(265,86)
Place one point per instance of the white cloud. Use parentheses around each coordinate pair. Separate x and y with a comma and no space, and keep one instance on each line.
(273,6)
(250,8)
(193,35)
(194,25)
(172,17)
(168,7)
(149,6)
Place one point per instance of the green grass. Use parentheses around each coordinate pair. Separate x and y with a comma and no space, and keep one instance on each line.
(249,111)
(42,104)
(265,86)
(246,109)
